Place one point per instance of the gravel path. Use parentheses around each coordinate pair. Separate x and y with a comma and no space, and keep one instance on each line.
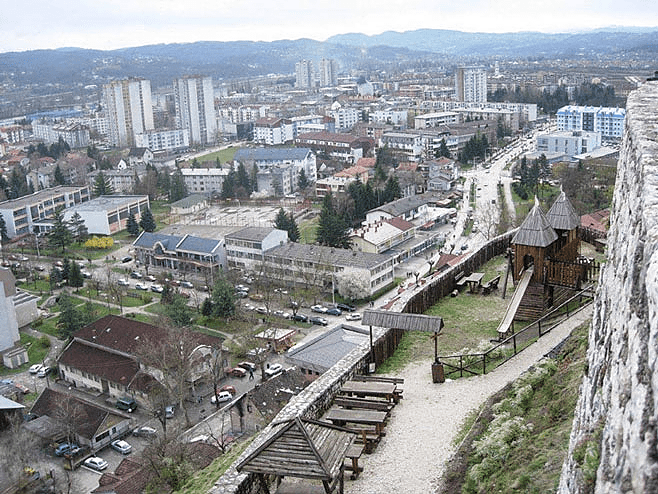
(421,430)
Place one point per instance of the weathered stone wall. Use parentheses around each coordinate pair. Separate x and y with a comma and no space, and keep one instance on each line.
(613,446)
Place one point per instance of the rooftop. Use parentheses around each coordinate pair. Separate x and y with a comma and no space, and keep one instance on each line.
(337,257)
(271,154)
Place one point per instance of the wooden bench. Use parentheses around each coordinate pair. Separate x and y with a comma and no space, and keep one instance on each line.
(460,279)
(346,402)
(379,379)
(490,285)
(353,454)
(366,436)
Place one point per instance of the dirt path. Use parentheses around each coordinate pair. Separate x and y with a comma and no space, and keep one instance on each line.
(420,433)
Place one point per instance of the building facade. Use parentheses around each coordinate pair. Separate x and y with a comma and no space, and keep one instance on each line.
(568,143)
(74,134)
(304,74)
(128,109)
(245,248)
(608,121)
(106,215)
(195,108)
(25,214)
(328,72)
(164,140)
(471,84)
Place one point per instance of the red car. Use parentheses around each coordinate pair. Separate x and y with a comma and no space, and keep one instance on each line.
(229,388)
(235,371)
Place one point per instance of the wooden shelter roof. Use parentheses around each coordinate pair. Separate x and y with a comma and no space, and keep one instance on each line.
(562,215)
(301,448)
(397,320)
(536,230)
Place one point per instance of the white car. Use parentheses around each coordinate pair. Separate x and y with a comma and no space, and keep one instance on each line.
(141,286)
(319,309)
(222,397)
(273,370)
(353,317)
(123,282)
(96,463)
(36,368)
(121,446)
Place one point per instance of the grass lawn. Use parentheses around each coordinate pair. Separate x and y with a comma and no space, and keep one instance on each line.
(37,349)
(470,322)
(307,230)
(225,155)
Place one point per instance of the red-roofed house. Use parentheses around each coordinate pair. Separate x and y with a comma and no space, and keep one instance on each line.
(103,356)
(598,220)
(356,171)
(89,424)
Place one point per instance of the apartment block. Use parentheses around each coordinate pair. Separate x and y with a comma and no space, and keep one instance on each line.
(195,108)
(128,109)
(26,214)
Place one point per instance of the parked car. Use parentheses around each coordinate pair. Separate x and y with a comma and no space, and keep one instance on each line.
(121,446)
(222,397)
(126,259)
(44,371)
(228,388)
(261,310)
(235,371)
(145,431)
(150,278)
(201,438)
(334,311)
(67,449)
(95,463)
(241,294)
(23,389)
(34,369)
(320,321)
(123,282)
(320,309)
(186,284)
(141,286)
(157,288)
(300,318)
(39,268)
(242,288)
(247,366)
(126,403)
(254,352)
(136,275)
(347,307)
(353,317)
(273,370)
(86,274)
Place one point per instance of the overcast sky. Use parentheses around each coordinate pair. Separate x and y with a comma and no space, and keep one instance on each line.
(109,24)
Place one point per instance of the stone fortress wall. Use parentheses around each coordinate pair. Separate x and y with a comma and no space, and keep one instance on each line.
(614,440)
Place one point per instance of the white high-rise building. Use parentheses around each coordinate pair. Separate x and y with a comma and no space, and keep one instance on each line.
(608,121)
(305,74)
(328,69)
(471,84)
(195,108)
(128,109)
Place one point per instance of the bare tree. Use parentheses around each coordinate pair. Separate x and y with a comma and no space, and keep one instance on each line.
(487,219)
(22,444)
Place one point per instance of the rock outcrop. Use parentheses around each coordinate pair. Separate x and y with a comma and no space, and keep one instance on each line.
(613,446)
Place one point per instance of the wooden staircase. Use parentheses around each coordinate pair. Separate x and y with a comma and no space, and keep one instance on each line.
(533,304)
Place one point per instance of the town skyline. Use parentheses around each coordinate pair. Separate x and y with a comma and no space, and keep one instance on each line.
(122,24)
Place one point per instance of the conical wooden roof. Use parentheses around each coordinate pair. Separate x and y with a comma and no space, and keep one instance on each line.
(562,215)
(301,448)
(536,230)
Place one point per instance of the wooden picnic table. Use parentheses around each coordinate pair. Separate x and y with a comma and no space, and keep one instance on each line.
(474,281)
(370,388)
(342,416)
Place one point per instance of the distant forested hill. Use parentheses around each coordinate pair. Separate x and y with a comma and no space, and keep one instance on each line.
(161,63)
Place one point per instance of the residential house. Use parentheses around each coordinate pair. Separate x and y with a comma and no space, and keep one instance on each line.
(140,156)
(104,356)
(79,420)
(343,147)
(206,181)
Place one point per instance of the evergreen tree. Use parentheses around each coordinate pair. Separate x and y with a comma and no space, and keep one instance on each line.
(281,220)
(3,229)
(17,183)
(243,182)
(132,226)
(178,189)
(66,270)
(206,307)
(332,227)
(293,229)
(178,311)
(70,319)
(147,222)
(254,178)
(443,150)
(302,181)
(392,191)
(78,228)
(223,298)
(59,235)
(75,278)
(59,176)
(228,186)
(102,185)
